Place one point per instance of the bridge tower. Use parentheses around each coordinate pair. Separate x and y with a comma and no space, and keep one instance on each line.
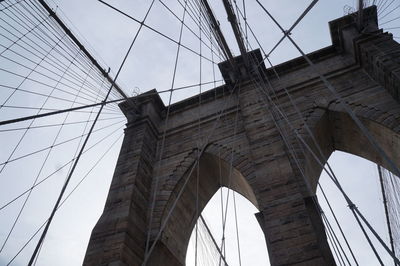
(234,130)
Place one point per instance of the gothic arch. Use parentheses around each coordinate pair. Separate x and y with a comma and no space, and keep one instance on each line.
(263,170)
(334,130)
(214,172)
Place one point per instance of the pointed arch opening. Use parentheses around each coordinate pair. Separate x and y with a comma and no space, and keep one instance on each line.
(244,239)
(354,160)
(360,180)
(337,131)
(197,189)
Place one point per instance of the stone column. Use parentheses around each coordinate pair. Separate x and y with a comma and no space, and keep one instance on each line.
(288,216)
(293,227)
(119,236)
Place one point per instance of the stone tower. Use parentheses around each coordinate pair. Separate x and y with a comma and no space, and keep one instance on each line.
(233,128)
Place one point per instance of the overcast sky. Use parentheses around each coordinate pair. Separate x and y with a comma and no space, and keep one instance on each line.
(150,65)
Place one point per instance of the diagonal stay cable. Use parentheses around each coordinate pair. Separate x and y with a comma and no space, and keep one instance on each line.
(40,83)
(84,144)
(366,133)
(11,121)
(337,222)
(58,144)
(388,13)
(41,36)
(9,6)
(22,35)
(59,124)
(43,104)
(154,30)
(213,41)
(33,48)
(187,27)
(39,173)
(311,135)
(55,25)
(308,131)
(153,200)
(59,169)
(286,142)
(38,94)
(388,21)
(111,111)
(385,206)
(330,234)
(203,10)
(76,42)
(333,90)
(333,178)
(213,240)
(237,228)
(386,7)
(335,239)
(75,155)
(66,198)
(22,19)
(286,33)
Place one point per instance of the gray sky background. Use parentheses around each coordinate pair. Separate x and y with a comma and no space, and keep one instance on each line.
(150,65)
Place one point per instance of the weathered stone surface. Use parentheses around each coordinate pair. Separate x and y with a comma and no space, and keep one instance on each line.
(239,128)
